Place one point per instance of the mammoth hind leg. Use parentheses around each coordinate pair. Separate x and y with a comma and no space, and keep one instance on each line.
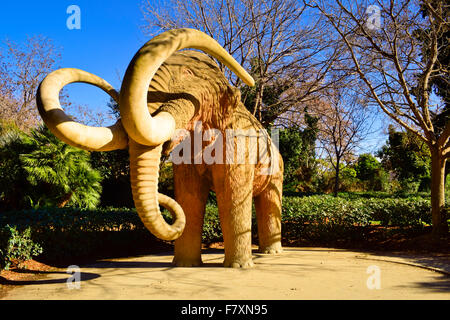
(268,215)
(191,192)
(233,185)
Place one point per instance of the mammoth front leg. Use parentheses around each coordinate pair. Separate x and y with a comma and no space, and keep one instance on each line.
(234,187)
(191,192)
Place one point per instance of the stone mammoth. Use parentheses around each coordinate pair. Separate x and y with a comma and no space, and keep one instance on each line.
(165,92)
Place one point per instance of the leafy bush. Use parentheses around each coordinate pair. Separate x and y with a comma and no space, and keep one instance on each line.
(16,247)
(212,231)
(324,217)
(68,234)
(408,158)
(296,146)
(400,212)
(321,217)
(382,195)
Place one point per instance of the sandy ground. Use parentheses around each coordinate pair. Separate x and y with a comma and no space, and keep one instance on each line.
(297,273)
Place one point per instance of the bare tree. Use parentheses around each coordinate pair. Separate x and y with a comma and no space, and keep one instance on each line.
(287,52)
(388,57)
(85,115)
(22,68)
(344,122)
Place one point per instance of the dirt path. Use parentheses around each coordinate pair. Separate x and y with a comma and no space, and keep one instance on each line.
(298,273)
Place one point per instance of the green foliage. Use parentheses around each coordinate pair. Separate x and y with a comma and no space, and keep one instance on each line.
(114,167)
(382,195)
(327,218)
(211,226)
(13,183)
(38,169)
(271,93)
(320,217)
(371,173)
(63,171)
(165,181)
(367,166)
(111,164)
(290,147)
(409,158)
(347,179)
(348,172)
(67,234)
(16,247)
(297,147)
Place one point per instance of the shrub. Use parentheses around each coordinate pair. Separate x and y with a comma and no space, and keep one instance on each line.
(321,217)
(16,247)
(382,195)
(400,212)
(69,234)
(324,217)
(212,231)
(328,218)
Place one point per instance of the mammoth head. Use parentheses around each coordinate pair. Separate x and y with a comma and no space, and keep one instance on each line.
(138,122)
(142,128)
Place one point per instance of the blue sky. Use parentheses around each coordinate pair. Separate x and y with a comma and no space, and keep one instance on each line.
(109,37)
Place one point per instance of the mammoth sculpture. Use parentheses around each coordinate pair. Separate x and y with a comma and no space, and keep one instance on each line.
(163,90)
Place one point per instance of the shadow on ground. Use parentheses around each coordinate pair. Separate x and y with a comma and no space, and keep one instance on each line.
(84,276)
(440,284)
(293,271)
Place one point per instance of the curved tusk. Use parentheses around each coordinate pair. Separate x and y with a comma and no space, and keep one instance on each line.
(69,131)
(136,118)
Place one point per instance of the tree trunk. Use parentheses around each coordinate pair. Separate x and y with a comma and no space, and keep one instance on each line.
(438,213)
(258,102)
(65,199)
(336,180)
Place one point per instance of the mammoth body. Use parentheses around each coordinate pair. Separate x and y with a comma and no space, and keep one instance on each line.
(166,100)
(214,104)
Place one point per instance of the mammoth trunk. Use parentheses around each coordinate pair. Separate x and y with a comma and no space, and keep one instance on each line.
(144,171)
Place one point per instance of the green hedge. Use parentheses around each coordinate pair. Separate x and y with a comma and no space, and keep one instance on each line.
(326,218)
(360,211)
(66,234)
(70,234)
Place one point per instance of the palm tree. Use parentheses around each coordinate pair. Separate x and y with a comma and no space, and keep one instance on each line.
(61,174)
(13,184)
